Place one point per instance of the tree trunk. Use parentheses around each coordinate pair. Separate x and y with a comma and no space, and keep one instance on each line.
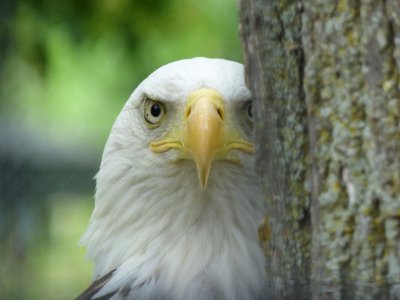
(271,34)
(328,143)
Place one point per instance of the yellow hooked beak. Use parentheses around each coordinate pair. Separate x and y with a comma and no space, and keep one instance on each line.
(204,136)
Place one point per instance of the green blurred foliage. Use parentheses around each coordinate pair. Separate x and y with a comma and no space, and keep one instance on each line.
(55,267)
(67,68)
(72,64)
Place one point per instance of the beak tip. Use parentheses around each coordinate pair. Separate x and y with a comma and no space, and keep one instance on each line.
(203,184)
(203,173)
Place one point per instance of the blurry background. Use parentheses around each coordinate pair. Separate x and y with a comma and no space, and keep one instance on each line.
(66,69)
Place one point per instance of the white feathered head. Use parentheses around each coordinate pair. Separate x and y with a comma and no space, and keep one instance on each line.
(177,201)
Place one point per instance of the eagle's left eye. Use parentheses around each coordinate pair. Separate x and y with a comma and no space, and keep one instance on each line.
(154,111)
(249,110)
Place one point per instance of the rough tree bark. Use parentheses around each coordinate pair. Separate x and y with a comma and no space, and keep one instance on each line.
(271,34)
(325,80)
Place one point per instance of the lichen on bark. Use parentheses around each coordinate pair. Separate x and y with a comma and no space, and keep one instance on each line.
(347,144)
(352,94)
(271,35)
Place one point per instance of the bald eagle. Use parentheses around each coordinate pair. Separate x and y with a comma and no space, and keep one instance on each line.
(177,202)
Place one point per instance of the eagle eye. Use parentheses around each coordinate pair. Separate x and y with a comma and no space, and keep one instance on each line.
(249,110)
(154,111)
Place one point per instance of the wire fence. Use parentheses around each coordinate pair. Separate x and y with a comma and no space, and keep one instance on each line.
(32,169)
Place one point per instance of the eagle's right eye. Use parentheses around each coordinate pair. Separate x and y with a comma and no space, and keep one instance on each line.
(154,111)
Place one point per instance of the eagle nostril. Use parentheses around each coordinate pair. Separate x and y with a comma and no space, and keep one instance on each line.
(220,113)
(187,113)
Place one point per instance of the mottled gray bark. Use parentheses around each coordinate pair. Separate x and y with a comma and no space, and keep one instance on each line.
(340,161)
(352,90)
(271,35)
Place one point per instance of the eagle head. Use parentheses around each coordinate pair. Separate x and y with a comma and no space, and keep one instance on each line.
(177,202)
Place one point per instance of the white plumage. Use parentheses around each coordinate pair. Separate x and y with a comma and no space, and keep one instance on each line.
(157,232)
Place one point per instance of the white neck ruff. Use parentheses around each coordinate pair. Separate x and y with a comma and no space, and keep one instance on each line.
(171,240)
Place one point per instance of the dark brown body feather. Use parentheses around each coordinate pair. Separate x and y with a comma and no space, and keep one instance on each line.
(95,287)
